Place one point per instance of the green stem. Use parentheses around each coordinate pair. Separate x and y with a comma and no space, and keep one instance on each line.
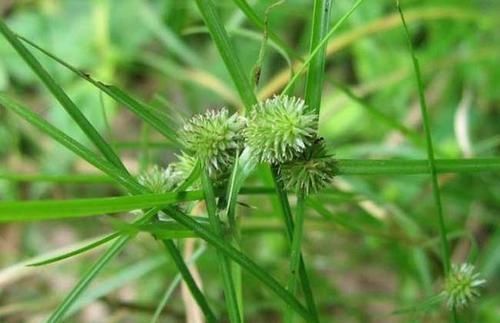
(430,150)
(287,215)
(446,257)
(344,167)
(295,255)
(224,262)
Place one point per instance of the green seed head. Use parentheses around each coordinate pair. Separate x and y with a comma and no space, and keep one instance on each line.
(213,138)
(159,180)
(461,285)
(279,129)
(311,173)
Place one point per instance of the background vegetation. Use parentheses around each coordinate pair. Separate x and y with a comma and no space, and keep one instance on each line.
(371,240)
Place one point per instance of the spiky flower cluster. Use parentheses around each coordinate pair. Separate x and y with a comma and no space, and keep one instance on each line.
(213,138)
(310,173)
(461,285)
(279,129)
(159,180)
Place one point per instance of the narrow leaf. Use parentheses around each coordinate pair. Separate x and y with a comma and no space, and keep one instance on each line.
(78,251)
(18,211)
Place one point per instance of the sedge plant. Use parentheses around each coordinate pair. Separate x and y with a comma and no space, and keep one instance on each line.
(274,137)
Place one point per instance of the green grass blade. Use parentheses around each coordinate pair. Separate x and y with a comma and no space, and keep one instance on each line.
(142,110)
(88,276)
(61,96)
(246,263)
(414,167)
(445,245)
(319,47)
(189,280)
(76,252)
(71,144)
(288,218)
(430,151)
(224,263)
(316,71)
(227,52)
(19,211)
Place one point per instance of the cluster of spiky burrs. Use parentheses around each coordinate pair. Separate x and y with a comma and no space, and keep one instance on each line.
(281,131)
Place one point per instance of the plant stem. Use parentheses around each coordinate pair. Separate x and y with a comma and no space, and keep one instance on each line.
(224,263)
(446,257)
(287,215)
(295,255)
(316,72)
(344,167)
(430,150)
